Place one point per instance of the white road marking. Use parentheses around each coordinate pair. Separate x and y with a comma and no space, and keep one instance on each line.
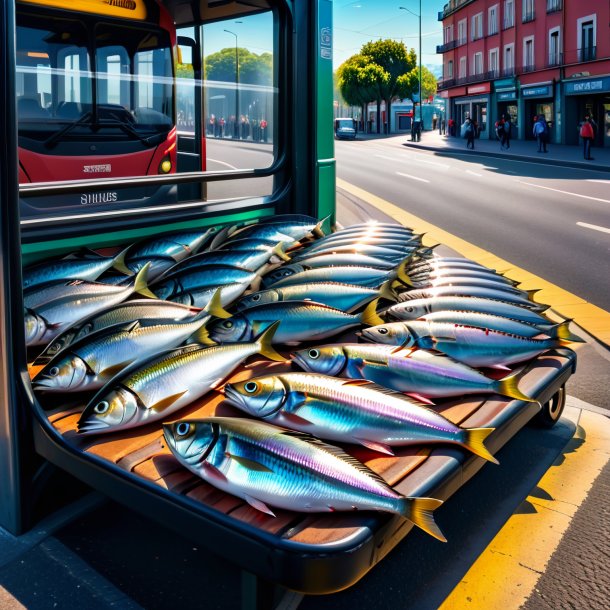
(412,177)
(473,173)
(594,227)
(222,163)
(412,158)
(548,188)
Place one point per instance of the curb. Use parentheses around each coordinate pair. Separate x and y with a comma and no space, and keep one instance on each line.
(524,158)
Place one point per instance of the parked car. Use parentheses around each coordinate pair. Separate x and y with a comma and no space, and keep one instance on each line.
(345,129)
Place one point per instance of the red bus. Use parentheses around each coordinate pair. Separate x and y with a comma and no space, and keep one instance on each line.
(95,97)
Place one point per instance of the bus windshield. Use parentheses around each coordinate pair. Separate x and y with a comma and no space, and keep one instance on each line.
(86,79)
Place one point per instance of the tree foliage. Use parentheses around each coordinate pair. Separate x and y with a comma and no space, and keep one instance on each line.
(253,69)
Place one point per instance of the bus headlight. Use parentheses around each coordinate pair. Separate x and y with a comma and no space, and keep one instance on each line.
(165,167)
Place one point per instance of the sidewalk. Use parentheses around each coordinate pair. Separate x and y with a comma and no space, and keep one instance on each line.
(559,154)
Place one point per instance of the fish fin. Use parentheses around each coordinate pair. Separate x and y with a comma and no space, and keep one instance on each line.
(248,463)
(202,335)
(167,401)
(264,341)
(402,274)
(258,505)
(132,326)
(215,308)
(217,382)
(420,398)
(531,293)
(111,371)
(509,386)
(119,262)
(355,381)
(214,473)
(420,512)
(279,251)
(427,251)
(317,230)
(141,283)
(297,420)
(374,446)
(563,333)
(499,367)
(258,327)
(370,316)
(386,292)
(474,442)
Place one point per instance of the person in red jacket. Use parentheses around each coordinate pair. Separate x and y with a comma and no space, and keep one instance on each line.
(587,133)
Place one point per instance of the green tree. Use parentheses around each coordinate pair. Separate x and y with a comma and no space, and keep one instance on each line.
(253,69)
(408,84)
(395,60)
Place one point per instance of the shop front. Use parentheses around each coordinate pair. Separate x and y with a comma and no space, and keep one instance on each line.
(474,106)
(588,96)
(507,102)
(538,100)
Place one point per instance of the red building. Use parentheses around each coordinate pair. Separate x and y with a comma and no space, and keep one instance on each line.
(527,58)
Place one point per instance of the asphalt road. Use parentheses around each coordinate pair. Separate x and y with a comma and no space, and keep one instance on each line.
(545,219)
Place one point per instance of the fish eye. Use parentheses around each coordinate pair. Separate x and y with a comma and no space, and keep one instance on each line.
(251,387)
(256,297)
(182,429)
(383,330)
(227,324)
(54,371)
(101,407)
(410,309)
(314,353)
(287,273)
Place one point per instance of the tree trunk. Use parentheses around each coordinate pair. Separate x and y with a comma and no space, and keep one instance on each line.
(364,119)
(388,113)
(378,115)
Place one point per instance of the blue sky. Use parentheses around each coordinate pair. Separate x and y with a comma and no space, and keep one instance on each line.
(358,21)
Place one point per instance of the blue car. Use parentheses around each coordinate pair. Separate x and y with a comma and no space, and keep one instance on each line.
(345,129)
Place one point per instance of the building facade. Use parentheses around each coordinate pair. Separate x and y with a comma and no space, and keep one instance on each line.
(526,58)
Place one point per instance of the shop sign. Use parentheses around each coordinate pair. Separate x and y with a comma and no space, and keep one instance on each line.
(593,85)
(505,82)
(484,88)
(536,92)
(509,95)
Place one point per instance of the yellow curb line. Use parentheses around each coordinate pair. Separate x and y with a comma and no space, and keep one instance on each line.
(589,317)
(506,573)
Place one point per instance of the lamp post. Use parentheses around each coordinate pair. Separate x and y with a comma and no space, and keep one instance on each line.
(404,8)
(236,126)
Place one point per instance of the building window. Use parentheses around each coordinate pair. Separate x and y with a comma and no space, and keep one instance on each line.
(477,64)
(509,14)
(494,63)
(462,31)
(450,69)
(477,26)
(492,20)
(448,34)
(462,67)
(553,6)
(529,13)
(509,60)
(528,54)
(587,50)
(555,58)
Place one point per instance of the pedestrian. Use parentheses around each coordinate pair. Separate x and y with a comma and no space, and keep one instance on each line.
(263,125)
(500,134)
(541,131)
(587,133)
(508,130)
(467,131)
(452,128)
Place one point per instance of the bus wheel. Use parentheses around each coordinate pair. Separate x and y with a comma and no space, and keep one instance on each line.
(552,410)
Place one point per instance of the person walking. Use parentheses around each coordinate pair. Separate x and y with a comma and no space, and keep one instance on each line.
(587,133)
(540,132)
(499,128)
(508,131)
(468,133)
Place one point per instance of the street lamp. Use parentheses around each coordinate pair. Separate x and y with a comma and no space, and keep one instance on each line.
(404,8)
(236,126)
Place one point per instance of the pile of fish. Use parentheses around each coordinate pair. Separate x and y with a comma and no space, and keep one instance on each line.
(422,328)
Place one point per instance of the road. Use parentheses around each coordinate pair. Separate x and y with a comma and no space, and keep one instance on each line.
(552,221)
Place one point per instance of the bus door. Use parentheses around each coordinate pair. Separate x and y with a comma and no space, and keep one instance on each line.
(189,112)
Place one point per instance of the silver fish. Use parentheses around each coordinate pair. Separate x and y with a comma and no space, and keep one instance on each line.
(176,246)
(294,228)
(368,250)
(335,259)
(201,296)
(266,465)
(94,360)
(350,411)
(130,311)
(163,385)
(476,281)
(414,371)
(468,344)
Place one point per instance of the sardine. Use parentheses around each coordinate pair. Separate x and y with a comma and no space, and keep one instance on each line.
(414,371)
(368,250)
(468,344)
(176,246)
(339,259)
(266,465)
(163,385)
(350,411)
(475,281)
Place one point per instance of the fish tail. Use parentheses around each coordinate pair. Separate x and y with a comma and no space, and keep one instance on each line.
(264,342)
(473,440)
(426,251)
(509,386)
(402,273)
(119,262)
(202,335)
(370,316)
(141,283)
(386,291)
(215,308)
(562,332)
(419,511)
(531,293)
(317,230)
(279,251)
